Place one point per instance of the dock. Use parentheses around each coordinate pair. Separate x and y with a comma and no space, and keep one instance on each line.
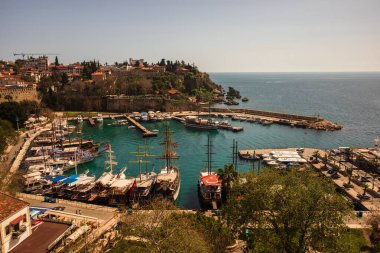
(260,152)
(293,120)
(146,132)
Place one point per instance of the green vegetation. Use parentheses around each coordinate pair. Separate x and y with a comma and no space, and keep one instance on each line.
(60,93)
(13,112)
(352,241)
(287,211)
(7,134)
(228,175)
(161,229)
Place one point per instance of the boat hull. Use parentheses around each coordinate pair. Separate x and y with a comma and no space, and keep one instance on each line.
(201,127)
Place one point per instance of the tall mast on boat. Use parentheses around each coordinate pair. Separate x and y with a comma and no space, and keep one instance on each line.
(209,155)
(110,161)
(234,154)
(169,153)
(140,161)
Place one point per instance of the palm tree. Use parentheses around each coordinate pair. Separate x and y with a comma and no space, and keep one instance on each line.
(365,187)
(316,155)
(227,175)
(349,172)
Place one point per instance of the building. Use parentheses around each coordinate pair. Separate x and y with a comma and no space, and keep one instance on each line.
(173,94)
(15,224)
(136,63)
(98,76)
(40,63)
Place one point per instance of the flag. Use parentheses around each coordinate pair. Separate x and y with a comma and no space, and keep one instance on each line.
(108,146)
(132,190)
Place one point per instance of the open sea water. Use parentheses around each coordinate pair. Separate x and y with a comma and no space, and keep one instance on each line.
(351,99)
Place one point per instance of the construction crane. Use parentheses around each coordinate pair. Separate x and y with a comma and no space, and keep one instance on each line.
(31,54)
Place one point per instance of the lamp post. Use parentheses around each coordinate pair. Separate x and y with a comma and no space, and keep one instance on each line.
(17,122)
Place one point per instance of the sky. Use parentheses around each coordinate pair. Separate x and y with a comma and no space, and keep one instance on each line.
(216,35)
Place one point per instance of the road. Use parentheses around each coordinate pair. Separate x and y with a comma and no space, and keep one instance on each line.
(16,156)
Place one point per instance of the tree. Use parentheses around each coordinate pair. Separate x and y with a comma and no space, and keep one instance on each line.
(162,62)
(287,211)
(365,187)
(56,63)
(65,79)
(8,97)
(7,134)
(162,228)
(349,172)
(14,113)
(375,233)
(228,175)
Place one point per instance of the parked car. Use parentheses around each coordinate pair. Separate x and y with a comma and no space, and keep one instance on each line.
(345,185)
(365,179)
(363,197)
(59,208)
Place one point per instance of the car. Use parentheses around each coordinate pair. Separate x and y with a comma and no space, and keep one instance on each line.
(59,208)
(300,150)
(365,179)
(345,185)
(363,197)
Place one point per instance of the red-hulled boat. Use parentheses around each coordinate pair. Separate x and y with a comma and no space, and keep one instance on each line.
(210,186)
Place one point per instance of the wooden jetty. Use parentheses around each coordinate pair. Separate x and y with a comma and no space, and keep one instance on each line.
(146,132)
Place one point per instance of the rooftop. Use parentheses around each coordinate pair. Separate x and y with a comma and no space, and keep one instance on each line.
(9,205)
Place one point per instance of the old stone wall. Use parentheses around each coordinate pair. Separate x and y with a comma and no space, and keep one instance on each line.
(141,103)
(19,94)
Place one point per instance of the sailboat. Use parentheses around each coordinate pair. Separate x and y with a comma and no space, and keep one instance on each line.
(168,181)
(144,182)
(210,186)
(106,179)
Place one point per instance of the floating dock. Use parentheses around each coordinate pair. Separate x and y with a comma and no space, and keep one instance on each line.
(146,132)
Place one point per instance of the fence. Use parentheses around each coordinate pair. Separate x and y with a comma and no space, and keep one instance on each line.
(68,202)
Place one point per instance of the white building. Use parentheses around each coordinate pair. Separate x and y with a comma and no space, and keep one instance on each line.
(15,223)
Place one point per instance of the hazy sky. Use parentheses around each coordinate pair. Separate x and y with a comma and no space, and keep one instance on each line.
(265,35)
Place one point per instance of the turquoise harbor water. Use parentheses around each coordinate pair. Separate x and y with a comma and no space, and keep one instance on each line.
(351,99)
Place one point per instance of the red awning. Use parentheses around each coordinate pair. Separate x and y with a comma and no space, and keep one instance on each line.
(211,180)
(17,220)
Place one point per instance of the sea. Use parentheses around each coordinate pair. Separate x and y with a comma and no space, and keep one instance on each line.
(350,99)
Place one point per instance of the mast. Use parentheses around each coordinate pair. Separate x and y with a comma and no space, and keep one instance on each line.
(169,153)
(75,163)
(209,155)
(110,161)
(234,153)
(140,161)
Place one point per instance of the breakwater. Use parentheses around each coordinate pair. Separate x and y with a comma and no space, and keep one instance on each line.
(293,120)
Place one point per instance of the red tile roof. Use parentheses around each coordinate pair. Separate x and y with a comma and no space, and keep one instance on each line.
(173,91)
(9,205)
